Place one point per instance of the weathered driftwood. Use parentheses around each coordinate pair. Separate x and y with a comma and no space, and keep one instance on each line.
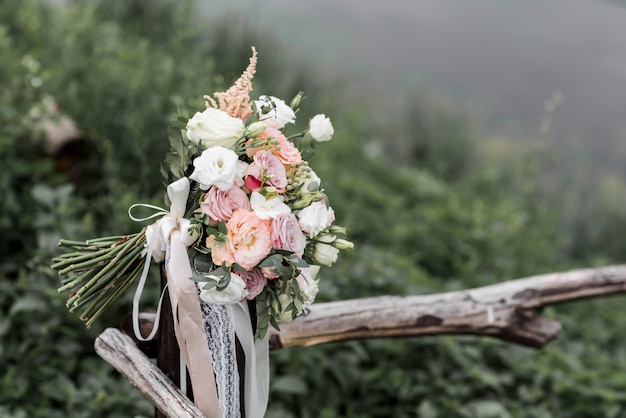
(509,310)
(120,351)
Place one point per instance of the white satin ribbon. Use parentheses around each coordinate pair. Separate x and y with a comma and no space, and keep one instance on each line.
(172,227)
(257,362)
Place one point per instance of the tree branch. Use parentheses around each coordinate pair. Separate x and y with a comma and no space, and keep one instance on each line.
(120,351)
(509,310)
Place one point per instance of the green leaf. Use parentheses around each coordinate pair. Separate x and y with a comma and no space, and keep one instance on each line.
(209,285)
(199,279)
(273,260)
(298,262)
(223,284)
(203,263)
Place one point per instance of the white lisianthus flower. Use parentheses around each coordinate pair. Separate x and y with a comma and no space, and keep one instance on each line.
(325,254)
(234,292)
(216,166)
(268,208)
(278,110)
(214,127)
(320,128)
(314,218)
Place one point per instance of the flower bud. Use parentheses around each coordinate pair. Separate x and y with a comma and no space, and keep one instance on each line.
(342,244)
(327,238)
(301,203)
(255,129)
(295,102)
(336,229)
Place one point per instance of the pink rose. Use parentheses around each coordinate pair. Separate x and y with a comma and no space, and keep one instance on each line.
(248,239)
(287,235)
(255,282)
(268,170)
(220,205)
(270,272)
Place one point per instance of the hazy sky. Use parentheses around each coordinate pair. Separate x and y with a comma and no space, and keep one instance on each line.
(505,57)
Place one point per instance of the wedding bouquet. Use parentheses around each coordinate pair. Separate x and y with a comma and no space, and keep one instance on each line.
(247,213)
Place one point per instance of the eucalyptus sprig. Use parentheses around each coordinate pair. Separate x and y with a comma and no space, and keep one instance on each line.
(98,271)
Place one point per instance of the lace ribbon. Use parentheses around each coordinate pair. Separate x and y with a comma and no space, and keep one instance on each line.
(218,325)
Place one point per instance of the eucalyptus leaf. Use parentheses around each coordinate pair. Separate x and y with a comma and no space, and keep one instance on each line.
(200,279)
(273,260)
(223,284)
(203,263)
(209,285)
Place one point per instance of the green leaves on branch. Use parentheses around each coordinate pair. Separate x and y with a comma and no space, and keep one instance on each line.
(98,271)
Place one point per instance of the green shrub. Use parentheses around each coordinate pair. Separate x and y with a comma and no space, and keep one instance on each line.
(437,221)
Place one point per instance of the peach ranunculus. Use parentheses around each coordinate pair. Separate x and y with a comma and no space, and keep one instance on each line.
(255,282)
(220,205)
(286,152)
(248,239)
(287,235)
(221,252)
(266,170)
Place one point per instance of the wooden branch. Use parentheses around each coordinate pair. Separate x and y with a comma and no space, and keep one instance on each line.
(120,351)
(509,310)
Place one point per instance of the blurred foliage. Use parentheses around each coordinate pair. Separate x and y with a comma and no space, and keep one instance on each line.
(448,217)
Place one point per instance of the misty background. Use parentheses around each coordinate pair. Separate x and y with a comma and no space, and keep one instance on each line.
(504,60)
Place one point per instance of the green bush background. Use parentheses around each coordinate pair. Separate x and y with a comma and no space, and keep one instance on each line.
(452,213)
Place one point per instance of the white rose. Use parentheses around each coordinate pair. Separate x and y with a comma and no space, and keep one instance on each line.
(279,110)
(216,166)
(214,127)
(320,128)
(314,218)
(308,285)
(325,254)
(285,300)
(234,292)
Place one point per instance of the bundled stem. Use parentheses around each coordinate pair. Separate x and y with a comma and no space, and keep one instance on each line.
(98,271)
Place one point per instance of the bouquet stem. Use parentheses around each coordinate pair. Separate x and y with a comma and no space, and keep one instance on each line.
(98,271)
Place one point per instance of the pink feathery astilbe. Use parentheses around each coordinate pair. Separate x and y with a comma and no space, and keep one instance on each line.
(236,100)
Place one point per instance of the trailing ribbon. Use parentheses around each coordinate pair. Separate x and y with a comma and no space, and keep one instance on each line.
(257,374)
(172,228)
